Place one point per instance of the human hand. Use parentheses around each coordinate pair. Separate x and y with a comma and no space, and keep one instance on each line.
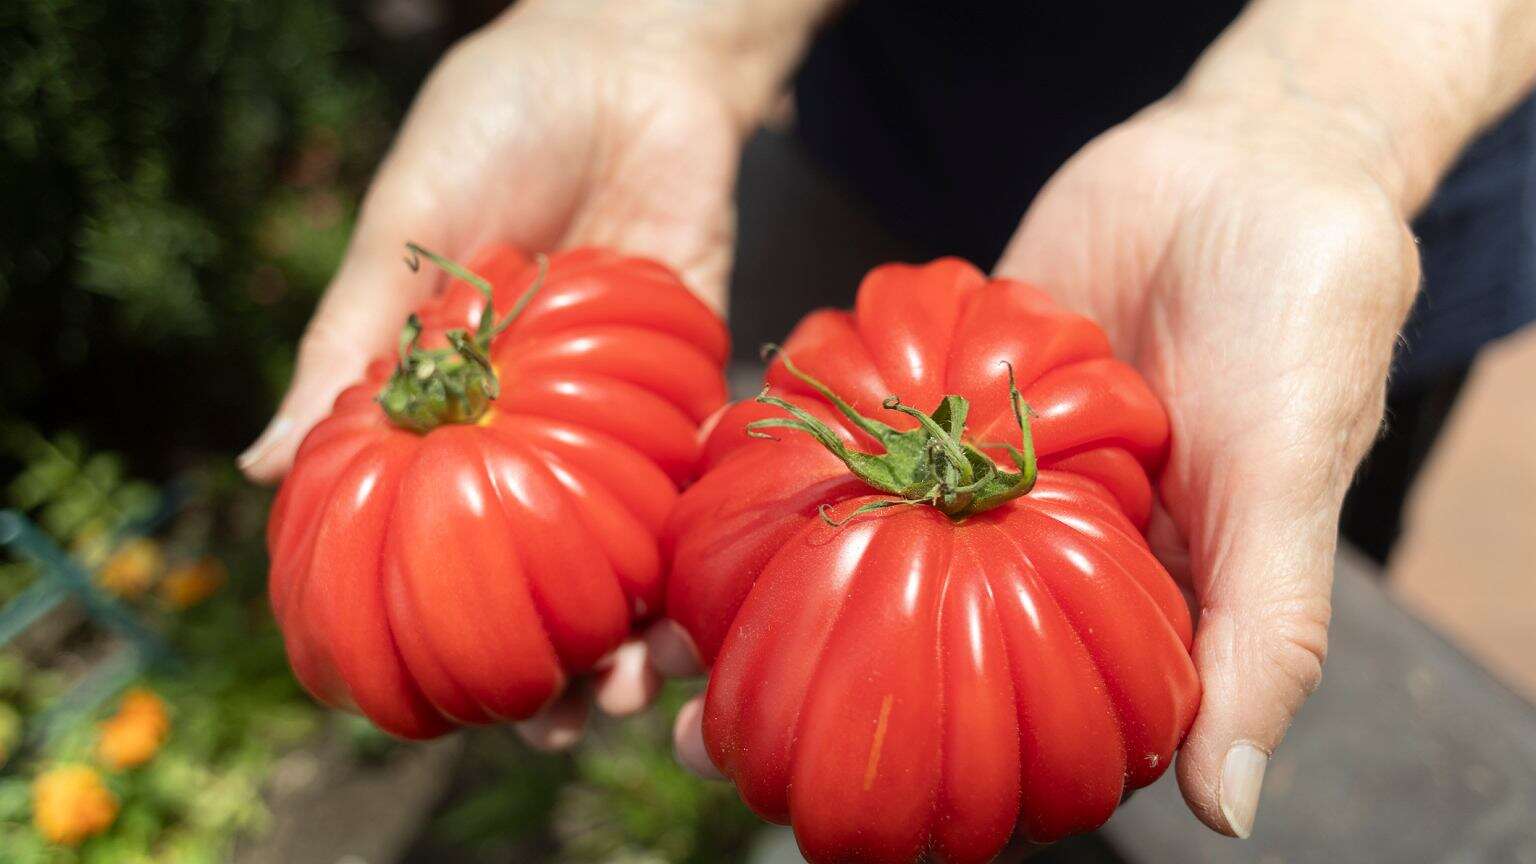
(1257,277)
(1245,242)
(615,124)
(542,130)
(1257,272)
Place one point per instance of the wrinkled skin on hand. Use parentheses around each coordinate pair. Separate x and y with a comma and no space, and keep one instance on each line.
(540,132)
(1256,273)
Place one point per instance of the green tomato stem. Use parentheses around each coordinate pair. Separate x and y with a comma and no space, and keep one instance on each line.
(431,387)
(931,464)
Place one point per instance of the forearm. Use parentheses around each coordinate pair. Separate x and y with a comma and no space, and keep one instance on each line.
(1400,85)
(753,46)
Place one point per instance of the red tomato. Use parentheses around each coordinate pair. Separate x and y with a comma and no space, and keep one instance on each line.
(926,679)
(462,570)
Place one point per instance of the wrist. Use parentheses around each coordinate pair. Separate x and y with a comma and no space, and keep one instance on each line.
(1397,87)
(1276,164)
(745,49)
(1317,143)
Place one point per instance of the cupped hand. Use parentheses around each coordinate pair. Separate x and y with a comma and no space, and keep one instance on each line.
(553,126)
(1256,269)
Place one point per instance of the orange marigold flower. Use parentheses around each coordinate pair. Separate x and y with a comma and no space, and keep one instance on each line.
(192,583)
(133,735)
(142,700)
(70,804)
(132,568)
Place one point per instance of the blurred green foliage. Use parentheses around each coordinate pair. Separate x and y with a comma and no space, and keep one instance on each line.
(181,176)
(68,488)
(69,491)
(619,798)
(181,179)
(633,802)
(235,708)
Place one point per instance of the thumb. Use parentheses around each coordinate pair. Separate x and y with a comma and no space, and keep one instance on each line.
(688,741)
(1263,577)
(358,319)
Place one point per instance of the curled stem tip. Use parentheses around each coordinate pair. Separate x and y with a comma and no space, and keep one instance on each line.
(431,387)
(932,464)
(447,265)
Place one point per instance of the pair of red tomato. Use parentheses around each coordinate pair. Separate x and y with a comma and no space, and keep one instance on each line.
(925,630)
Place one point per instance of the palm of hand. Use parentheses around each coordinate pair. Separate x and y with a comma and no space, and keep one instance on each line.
(540,132)
(1260,294)
(546,138)
(546,133)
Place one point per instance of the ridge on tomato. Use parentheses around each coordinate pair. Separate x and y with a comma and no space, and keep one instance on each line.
(476,521)
(927,632)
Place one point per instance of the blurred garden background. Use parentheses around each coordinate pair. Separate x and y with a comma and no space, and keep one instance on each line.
(180,178)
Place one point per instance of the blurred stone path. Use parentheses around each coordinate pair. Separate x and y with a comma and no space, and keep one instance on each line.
(1467,561)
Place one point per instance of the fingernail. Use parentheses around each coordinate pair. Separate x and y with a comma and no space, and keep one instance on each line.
(559,725)
(548,736)
(1242,777)
(688,742)
(562,737)
(628,683)
(263,445)
(672,650)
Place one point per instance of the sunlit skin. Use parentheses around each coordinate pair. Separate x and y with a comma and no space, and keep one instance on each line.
(545,130)
(1244,243)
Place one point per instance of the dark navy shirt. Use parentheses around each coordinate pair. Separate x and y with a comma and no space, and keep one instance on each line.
(949,117)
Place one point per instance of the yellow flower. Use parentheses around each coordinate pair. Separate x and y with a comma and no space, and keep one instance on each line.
(132,568)
(70,804)
(190,584)
(133,735)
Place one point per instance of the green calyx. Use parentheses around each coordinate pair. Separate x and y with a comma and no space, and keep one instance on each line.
(931,464)
(457,384)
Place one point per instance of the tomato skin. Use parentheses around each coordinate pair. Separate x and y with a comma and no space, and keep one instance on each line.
(465,575)
(907,685)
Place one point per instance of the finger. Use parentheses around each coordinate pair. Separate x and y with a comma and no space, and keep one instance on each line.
(688,740)
(708,271)
(681,212)
(626,682)
(559,726)
(698,247)
(672,651)
(1264,585)
(358,319)
(1172,551)
(1169,545)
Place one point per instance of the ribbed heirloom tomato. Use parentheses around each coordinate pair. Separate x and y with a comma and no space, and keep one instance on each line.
(929,630)
(476,521)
